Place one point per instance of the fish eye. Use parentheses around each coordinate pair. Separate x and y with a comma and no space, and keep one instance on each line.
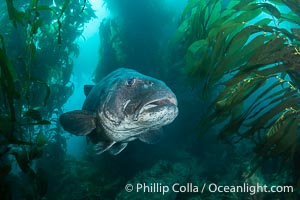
(130,82)
(150,83)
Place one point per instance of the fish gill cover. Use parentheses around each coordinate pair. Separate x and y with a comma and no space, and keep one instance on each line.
(233,65)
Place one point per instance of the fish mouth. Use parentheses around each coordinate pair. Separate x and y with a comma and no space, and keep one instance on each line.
(153,105)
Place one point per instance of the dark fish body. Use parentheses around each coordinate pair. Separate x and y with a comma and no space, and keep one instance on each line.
(124,106)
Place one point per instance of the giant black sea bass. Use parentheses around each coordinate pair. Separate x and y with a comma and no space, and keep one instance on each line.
(124,106)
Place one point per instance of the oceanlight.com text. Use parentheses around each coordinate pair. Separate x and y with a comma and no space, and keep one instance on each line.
(251,189)
(206,187)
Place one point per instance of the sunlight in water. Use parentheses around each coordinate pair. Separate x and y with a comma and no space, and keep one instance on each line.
(92,27)
(88,57)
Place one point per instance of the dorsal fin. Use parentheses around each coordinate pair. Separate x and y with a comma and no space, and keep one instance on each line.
(87,89)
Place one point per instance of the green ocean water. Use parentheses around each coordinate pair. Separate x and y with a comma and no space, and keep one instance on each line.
(233,66)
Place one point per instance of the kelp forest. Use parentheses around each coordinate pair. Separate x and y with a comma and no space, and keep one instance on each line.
(233,65)
(249,53)
(37,41)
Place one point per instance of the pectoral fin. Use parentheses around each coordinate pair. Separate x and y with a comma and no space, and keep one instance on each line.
(78,122)
(117,148)
(102,146)
(152,136)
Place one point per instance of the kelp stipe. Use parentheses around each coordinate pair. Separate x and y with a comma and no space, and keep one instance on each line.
(245,48)
(142,49)
(36,44)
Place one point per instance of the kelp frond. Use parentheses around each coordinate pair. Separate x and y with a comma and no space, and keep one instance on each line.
(245,48)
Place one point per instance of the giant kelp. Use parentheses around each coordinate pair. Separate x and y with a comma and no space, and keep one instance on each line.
(37,41)
(134,35)
(246,52)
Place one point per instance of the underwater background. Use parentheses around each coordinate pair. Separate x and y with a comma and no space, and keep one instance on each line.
(233,65)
